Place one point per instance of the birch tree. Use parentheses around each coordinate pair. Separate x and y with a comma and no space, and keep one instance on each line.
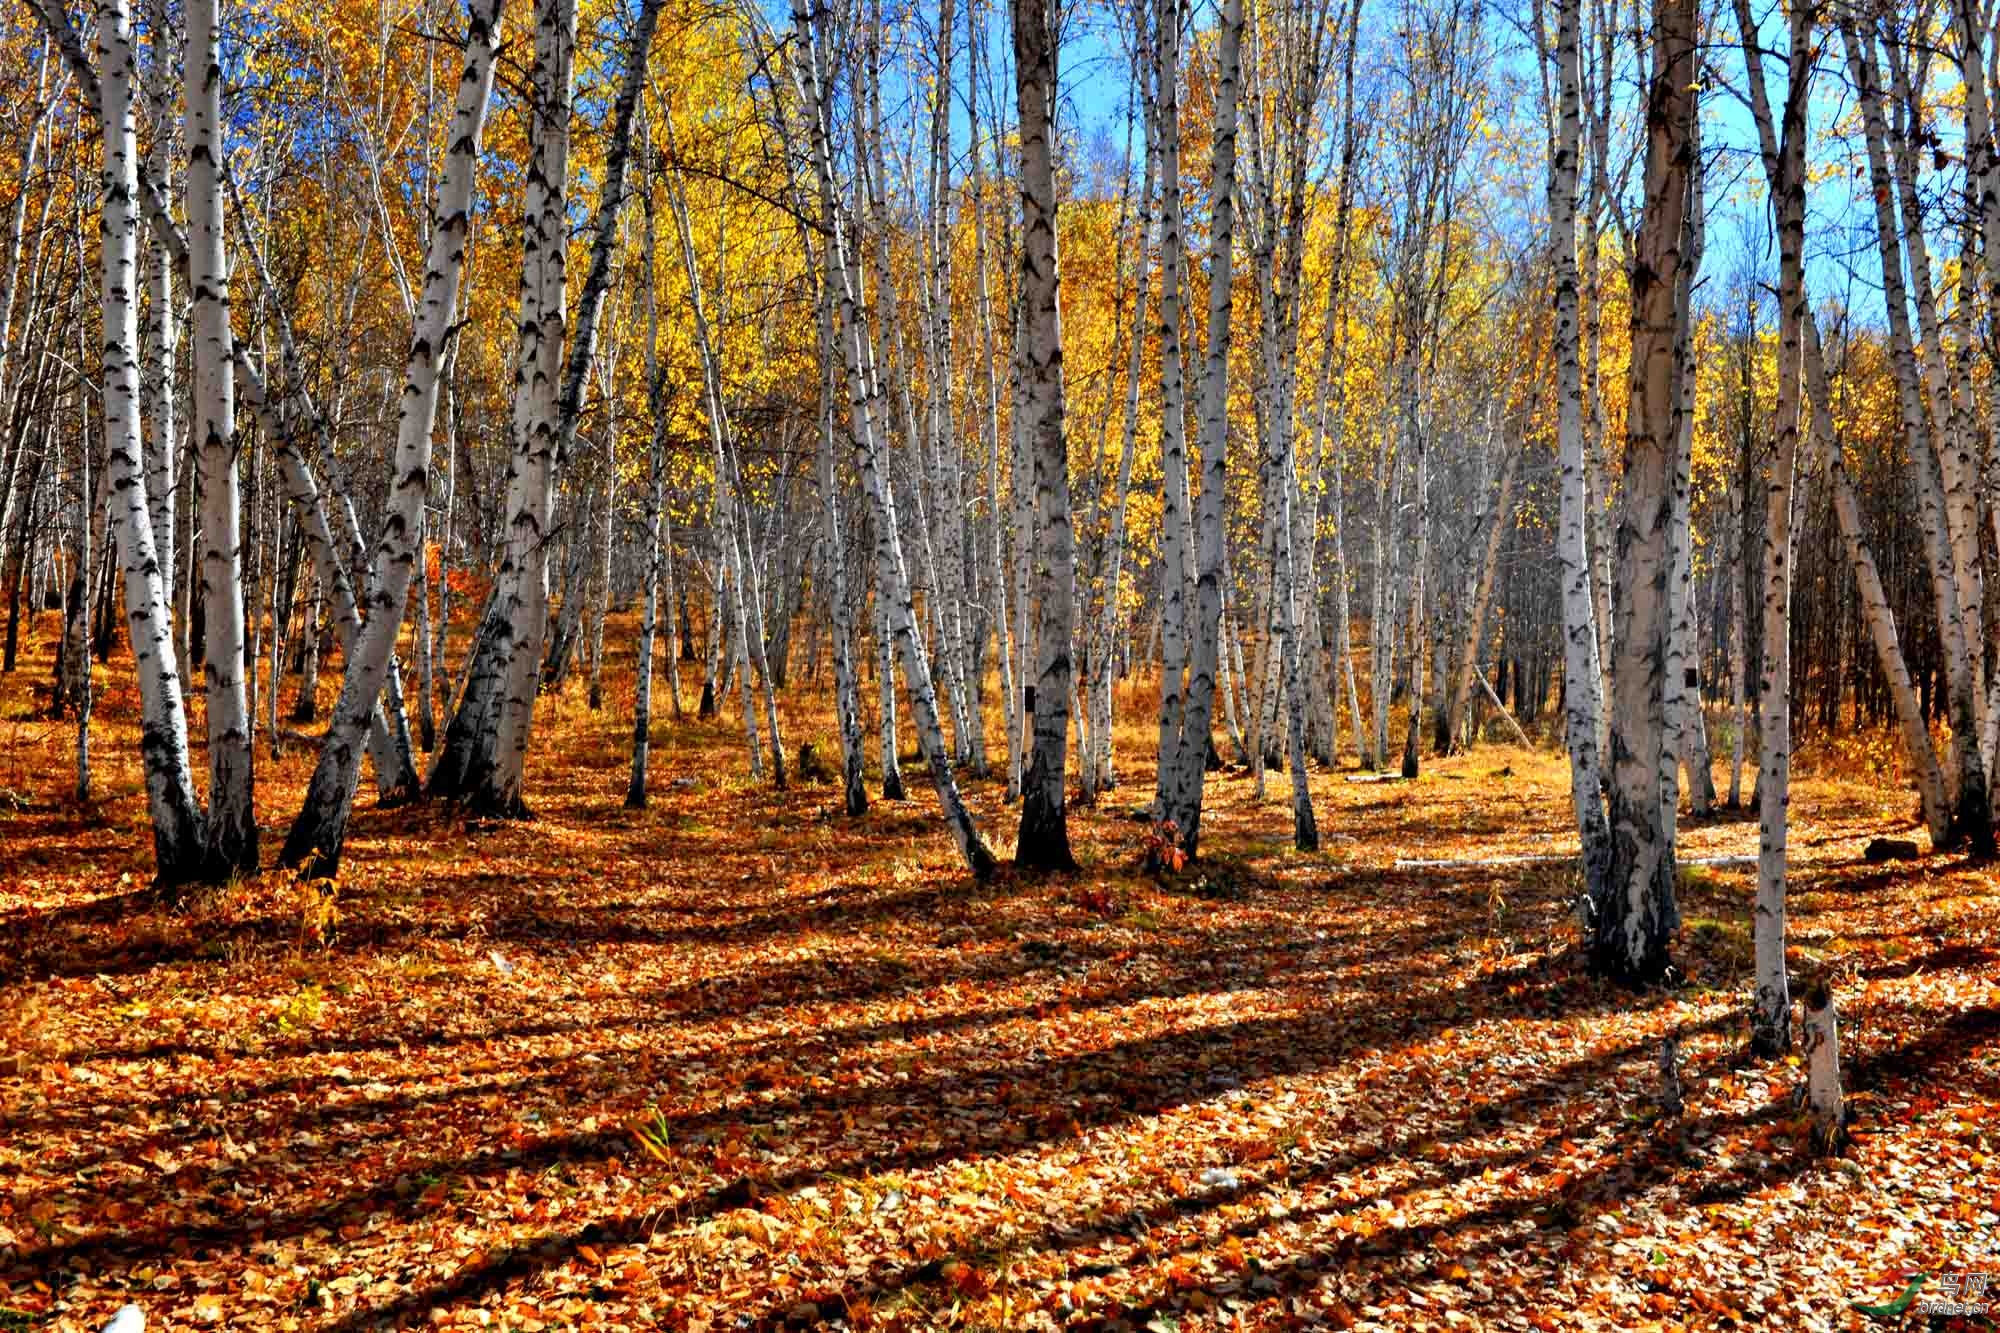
(1582,704)
(232,818)
(318,834)
(1771,1008)
(180,850)
(1190,766)
(1636,913)
(1044,835)
(863,396)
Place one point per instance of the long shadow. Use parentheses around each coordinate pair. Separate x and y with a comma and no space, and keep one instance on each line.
(1636,1166)
(49,957)
(1093,1089)
(1088,1091)
(1576,1076)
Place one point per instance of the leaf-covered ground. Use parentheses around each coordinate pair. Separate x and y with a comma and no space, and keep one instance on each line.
(737,1061)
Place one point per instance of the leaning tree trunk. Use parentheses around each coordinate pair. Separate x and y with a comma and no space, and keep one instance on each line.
(1971,815)
(1044,834)
(1636,913)
(1876,611)
(317,835)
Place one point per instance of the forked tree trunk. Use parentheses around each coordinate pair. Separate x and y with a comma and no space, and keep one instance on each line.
(317,835)
(523,593)
(1636,913)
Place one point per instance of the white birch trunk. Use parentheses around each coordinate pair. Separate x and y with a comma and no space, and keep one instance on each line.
(1044,831)
(1190,768)
(1771,1007)
(1875,609)
(179,836)
(1097,763)
(1971,820)
(1499,520)
(232,818)
(1582,702)
(656,503)
(1636,914)
(1827,1104)
(161,329)
(1175,499)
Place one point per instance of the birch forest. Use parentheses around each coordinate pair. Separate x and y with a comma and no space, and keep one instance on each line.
(1106,664)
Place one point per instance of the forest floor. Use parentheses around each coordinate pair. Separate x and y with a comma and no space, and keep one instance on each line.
(737,1061)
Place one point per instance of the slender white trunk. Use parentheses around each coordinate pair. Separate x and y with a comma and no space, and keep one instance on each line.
(1190,768)
(1583,704)
(996,559)
(1499,519)
(656,471)
(179,836)
(1044,832)
(1097,763)
(232,819)
(162,323)
(1971,816)
(1771,1008)
(833,567)
(1875,609)
(524,573)
(1175,500)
